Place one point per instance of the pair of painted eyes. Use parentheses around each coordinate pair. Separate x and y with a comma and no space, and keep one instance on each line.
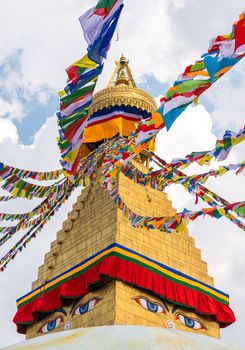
(79,310)
(158,309)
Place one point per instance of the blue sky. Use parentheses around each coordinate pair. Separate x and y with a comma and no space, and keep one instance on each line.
(34,112)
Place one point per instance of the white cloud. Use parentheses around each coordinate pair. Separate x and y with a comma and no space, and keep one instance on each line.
(13,110)
(42,155)
(8,131)
(227,99)
(191,132)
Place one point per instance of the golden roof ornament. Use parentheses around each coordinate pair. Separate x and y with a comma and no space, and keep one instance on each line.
(122,91)
(122,78)
(122,70)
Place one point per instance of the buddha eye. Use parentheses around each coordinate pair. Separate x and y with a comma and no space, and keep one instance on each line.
(149,305)
(190,322)
(50,326)
(84,308)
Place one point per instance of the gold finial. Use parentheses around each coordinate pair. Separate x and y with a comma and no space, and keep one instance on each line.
(122,91)
(123,60)
(122,74)
(122,78)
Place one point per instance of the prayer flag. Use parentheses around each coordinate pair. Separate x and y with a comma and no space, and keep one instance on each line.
(93,20)
(82,66)
(99,48)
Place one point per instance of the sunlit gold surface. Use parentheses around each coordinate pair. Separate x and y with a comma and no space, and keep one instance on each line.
(122,91)
(122,95)
(95,222)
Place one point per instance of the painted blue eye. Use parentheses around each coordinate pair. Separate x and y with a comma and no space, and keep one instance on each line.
(190,322)
(152,307)
(50,326)
(149,305)
(84,308)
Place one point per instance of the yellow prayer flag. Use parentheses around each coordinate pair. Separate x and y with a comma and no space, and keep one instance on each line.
(222,211)
(85,62)
(71,156)
(200,72)
(114,173)
(157,118)
(138,149)
(238,140)
(223,71)
(196,101)
(14,192)
(62,93)
(181,226)
(205,160)
(222,170)
(117,165)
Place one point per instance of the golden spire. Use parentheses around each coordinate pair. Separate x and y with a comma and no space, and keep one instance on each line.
(122,91)
(122,78)
(122,74)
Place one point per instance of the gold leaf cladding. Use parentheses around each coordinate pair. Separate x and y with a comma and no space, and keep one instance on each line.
(122,95)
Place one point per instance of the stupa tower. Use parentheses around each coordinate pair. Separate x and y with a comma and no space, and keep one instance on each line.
(101,270)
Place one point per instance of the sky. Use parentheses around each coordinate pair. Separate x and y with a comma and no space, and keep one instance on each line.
(39,39)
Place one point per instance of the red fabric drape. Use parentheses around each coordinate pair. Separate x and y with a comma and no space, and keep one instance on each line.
(128,272)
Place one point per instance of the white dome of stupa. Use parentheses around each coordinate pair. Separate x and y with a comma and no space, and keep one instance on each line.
(122,338)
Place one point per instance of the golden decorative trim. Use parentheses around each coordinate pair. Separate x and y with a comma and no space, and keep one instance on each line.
(122,95)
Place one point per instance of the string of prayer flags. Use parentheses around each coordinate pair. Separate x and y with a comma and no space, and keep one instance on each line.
(9,232)
(215,201)
(149,128)
(220,152)
(115,156)
(224,52)
(72,121)
(28,219)
(99,49)
(161,178)
(6,198)
(113,164)
(22,189)
(6,171)
(72,117)
(80,73)
(99,24)
(199,191)
(10,217)
(76,101)
(40,209)
(202,178)
(224,146)
(172,223)
(35,229)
